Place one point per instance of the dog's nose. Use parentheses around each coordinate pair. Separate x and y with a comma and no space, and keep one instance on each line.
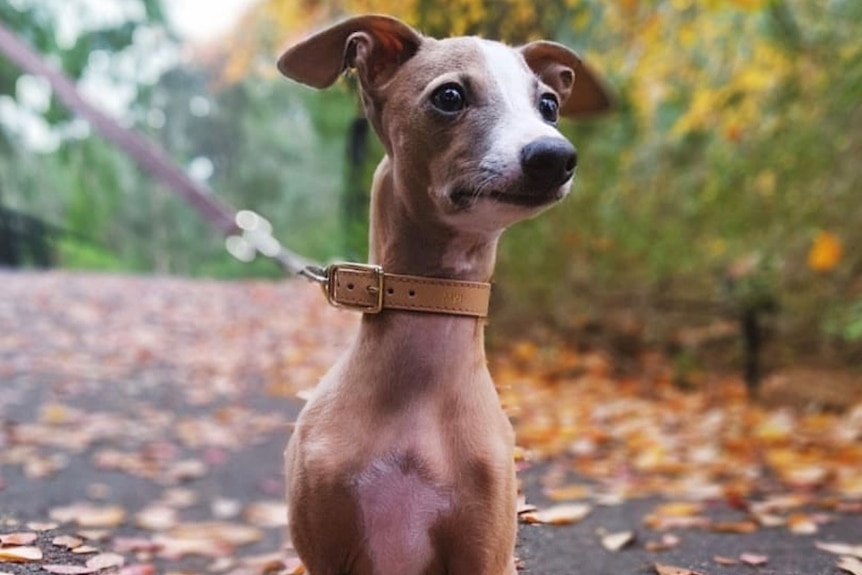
(548,162)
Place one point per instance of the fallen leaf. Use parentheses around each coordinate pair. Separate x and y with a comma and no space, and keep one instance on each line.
(134,545)
(616,541)
(269,514)
(754,559)
(801,524)
(662,569)
(559,514)
(524,507)
(770,520)
(179,497)
(840,548)
(68,569)
(660,523)
(678,509)
(722,560)
(156,518)
(106,560)
(222,564)
(20,554)
(668,541)
(734,527)
(94,534)
(67,541)
(206,539)
(223,508)
(42,525)
(569,492)
(90,516)
(16,539)
(139,569)
(187,470)
(850,564)
(676,515)
(294,566)
(782,502)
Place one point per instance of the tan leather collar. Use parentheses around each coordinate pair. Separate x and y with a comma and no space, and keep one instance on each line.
(368,289)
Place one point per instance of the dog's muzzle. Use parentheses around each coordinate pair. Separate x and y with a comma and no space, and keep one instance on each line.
(548,163)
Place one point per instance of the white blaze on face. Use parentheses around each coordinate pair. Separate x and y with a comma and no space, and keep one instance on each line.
(515,87)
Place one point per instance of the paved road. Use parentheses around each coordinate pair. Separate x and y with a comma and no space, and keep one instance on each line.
(94,408)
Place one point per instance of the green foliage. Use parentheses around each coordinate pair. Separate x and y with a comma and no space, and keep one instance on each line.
(77,255)
(845,322)
(734,142)
(740,146)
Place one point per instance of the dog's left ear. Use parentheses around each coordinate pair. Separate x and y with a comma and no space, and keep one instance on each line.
(581,93)
(375,45)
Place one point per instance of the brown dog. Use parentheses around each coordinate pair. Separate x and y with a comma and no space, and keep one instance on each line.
(402,462)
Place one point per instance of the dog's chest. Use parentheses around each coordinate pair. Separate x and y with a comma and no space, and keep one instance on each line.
(399,507)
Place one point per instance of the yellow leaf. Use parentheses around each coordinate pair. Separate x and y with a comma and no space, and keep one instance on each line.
(679,509)
(825,253)
(749,5)
(569,492)
(21,554)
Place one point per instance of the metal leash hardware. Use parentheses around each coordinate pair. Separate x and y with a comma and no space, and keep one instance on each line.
(256,238)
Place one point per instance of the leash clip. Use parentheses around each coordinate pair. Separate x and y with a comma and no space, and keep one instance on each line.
(332,288)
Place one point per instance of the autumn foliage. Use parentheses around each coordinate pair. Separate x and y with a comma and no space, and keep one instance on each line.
(733,143)
(735,137)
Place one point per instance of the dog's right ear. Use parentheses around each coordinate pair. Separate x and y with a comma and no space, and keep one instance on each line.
(580,90)
(375,45)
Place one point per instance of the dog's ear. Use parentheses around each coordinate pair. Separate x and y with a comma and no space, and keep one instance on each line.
(374,45)
(581,92)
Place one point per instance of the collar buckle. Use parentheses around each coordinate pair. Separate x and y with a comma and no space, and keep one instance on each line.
(366,278)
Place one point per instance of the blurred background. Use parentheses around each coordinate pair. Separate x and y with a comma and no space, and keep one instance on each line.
(715,214)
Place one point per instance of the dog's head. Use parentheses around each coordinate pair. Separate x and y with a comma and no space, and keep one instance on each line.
(469,124)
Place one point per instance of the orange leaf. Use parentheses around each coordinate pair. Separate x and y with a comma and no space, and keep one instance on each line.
(825,252)
(569,492)
(734,527)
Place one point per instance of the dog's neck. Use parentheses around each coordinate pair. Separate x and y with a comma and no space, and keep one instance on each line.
(406,243)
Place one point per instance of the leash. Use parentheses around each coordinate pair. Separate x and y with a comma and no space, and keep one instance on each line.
(364,288)
(359,287)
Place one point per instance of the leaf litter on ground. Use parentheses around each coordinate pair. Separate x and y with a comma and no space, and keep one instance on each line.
(211,346)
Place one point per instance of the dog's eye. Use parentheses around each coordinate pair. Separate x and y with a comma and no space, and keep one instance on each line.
(549,108)
(449,98)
